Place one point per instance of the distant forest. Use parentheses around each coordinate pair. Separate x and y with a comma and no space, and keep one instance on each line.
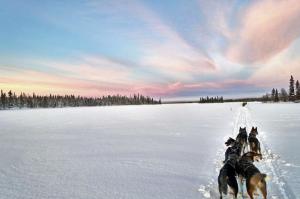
(211,99)
(11,100)
(292,95)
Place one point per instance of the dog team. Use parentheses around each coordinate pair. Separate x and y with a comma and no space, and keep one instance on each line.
(239,162)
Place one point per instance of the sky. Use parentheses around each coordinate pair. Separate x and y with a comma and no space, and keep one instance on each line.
(173,49)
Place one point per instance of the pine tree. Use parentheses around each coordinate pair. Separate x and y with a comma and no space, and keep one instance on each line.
(297,90)
(283,95)
(3,99)
(292,89)
(21,98)
(273,94)
(276,99)
(10,99)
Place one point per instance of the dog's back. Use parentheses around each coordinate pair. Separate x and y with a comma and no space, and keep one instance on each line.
(257,181)
(253,141)
(242,138)
(254,178)
(254,144)
(227,176)
(236,148)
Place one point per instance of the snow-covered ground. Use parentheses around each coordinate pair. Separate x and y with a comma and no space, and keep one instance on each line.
(280,126)
(140,152)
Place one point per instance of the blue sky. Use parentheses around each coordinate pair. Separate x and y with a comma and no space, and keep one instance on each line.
(168,49)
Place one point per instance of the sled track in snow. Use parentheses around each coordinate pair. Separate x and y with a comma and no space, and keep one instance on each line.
(277,186)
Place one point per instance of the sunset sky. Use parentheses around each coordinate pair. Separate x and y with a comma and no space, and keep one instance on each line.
(169,49)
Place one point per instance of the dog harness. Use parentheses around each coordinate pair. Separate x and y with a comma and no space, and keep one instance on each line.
(232,159)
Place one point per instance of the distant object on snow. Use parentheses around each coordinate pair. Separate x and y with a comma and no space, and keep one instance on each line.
(244,104)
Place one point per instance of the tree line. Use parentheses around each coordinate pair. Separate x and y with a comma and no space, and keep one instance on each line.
(293,94)
(11,100)
(211,99)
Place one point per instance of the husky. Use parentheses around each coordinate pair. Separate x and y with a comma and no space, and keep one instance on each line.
(227,176)
(233,147)
(253,141)
(254,178)
(242,138)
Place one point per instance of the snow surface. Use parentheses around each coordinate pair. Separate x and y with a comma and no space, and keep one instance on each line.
(140,152)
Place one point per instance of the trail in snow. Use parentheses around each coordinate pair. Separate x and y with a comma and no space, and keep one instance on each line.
(277,186)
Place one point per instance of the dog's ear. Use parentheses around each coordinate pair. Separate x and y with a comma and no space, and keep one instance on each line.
(227,143)
(240,128)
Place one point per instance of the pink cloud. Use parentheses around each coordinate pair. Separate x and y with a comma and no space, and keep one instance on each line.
(28,81)
(177,87)
(267,28)
(277,71)
(92,68)
(217,14)
(162,50)
(69,80)
(168,53)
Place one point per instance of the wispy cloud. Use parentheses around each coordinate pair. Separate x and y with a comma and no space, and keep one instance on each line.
(161,47)
(266,28)
(278,69)
(107,47)
(94,76)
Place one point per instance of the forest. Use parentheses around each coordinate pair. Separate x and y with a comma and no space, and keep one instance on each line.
(11,100)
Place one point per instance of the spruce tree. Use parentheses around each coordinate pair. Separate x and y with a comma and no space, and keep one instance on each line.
(297,90)
(2,99)
(273,94)
(284,95)
(276,96)
(10,99)
(292,89)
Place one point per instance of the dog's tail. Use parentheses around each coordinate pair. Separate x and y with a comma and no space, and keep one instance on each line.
(262,176)
(262,179)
